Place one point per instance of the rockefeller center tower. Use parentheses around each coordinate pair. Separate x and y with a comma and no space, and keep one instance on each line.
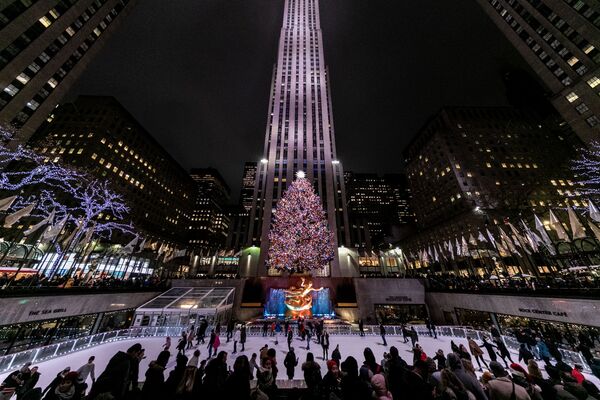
(299,134)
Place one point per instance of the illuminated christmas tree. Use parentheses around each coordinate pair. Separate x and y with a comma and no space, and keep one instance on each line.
(587,169)
(300,239)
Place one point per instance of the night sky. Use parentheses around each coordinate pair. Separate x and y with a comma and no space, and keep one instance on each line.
(197,74)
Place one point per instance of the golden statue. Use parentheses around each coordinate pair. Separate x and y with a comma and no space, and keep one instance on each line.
(299,300)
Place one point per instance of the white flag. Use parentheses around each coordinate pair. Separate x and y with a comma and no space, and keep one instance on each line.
(472,239)
(577,229)
(545,238)
(458,247)
(451,249)
(13,218)
(491,237)
(558,227)
(465,247)
(53,231)
(481,238)
(128,248)
(593,210)
(595,229)
(45,221)
(7,202)
(142,245)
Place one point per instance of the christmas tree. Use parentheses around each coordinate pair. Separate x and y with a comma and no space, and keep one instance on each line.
(587,169)
(299,239)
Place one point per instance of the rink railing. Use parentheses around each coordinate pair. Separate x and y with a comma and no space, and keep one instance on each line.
(37,355)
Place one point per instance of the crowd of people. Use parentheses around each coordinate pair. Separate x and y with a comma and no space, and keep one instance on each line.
(100,282)
(446,281)
(444,375)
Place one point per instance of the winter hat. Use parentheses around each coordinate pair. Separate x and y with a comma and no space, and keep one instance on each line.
(453,361)
(331,364)
(135,348)
(72,376)
(519,370)
(534,369)
(497,369)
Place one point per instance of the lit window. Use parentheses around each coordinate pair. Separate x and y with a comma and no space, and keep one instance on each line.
(23,78)
(553,182)
(571,97)
(534,165)
(588,48)
(45,21)
(33,104)
(503,165)
(593,81)
(70,31)
(457,166)
(593,120)
(94,156)
(572,61)
(11,89)
(582,108)
(54,13)
(488,165)
(101,161)
(103,140)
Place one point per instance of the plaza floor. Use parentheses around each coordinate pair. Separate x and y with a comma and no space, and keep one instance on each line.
(350,345)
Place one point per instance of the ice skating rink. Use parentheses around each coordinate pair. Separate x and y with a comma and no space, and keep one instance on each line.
(350,345)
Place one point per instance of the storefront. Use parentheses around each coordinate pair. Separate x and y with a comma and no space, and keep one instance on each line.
(395,314)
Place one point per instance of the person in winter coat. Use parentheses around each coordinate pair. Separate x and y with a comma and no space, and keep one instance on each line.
(243,337)
(181,345)
(236,339)
(354,388)
(336,355)
(325,344)
(451,388)
(290,363)
(332,381)
(503,351)
(414,336)
(489,347)
(370,363)
(176,375)
(67,389)
(380,388)
(454,347)
(476,352)
(548,392)
(417,385)
(265,379)
(543,350)
(167,345)
(382,333)
(463,352)
(502,388)
(397,370)
(116,375)
(312,373)
(237,384)
(525,354)
(211,343)
(440,358)
(154,386)
(201,332)
(469,381)
(215,375)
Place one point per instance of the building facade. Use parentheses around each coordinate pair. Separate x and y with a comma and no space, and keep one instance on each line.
(46,44)
(377,208)
(98,134)
(210,220)
(560,40)
(248,183)
(300,134)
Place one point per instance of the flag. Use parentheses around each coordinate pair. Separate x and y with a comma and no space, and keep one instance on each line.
(13,218)
(595,229)
(142,246)
(593,210)
(465,247)
(47,220)
(129,247)
(577,229)
(472,239)
(519,239)
(443,257)
(53,231)
(481,238)
(436,257)
(491,237)
(87,238)
(558,227)
(7,202)
(458,248)
(545,237)
(68,241)
(451,249)
(507,242)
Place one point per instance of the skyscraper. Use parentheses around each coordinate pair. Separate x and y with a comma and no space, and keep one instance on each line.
(248,183)
(299,134)
(560,39)
(44,46)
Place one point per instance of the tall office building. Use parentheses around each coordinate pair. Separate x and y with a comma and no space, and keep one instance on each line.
(210,220)
(98,134)
(560,39)
(248,183)
(44,47)
(299,134)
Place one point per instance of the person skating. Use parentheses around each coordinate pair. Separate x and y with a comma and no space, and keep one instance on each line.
(382,333)
(201,333)
(361,327)
(525,354)
(211,343)
(503,351)
(414,336)
(236,338)
(290,337)
(336,355)
(290,363)
(182,343)
(88,369)
(243,337)
(325,344)
(477,353)
(489,347)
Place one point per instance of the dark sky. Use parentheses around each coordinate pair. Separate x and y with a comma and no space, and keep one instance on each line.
(197,73)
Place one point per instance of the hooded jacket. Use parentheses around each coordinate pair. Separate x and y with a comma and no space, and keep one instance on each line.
(470,382)
(380,388)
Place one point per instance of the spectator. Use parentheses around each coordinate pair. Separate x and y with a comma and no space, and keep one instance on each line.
(290,363)
(215,375)
(332,381)
(470,382)
(237,384)
(116,377)
(312,373)
(353,388)
(380,387)
(502,388)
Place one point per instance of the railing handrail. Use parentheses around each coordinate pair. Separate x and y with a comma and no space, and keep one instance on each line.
(49,352)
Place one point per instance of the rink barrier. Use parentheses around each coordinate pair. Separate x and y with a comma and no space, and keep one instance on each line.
(45,353)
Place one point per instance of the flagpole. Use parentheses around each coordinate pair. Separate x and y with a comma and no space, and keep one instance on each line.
(27,261)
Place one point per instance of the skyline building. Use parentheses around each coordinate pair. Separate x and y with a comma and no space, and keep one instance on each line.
(299,134)
(44,47)
(248,183)
(97,134)
(560,40)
